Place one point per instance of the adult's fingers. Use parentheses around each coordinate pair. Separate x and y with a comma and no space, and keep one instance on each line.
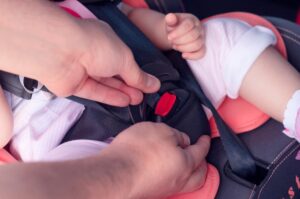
(181,139)
(136,78)
(197,179)
(136,96)
(196,153)
(93,90)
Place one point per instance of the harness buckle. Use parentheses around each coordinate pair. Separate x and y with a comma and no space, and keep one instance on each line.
(165,104)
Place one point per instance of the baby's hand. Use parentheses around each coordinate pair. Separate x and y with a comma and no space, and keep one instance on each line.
(186,35)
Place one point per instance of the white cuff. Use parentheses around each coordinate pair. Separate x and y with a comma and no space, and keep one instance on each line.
(290,113)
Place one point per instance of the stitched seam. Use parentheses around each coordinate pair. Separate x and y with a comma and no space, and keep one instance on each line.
(290,35)
(275,169)
(289,31)
(283,151)
(252,192)
(292,39)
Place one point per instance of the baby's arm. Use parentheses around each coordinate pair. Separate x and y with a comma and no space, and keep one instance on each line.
(182,32)
(6,120)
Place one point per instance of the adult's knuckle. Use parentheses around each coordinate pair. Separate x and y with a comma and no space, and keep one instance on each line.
(127,56)
(101,23)
(127,60)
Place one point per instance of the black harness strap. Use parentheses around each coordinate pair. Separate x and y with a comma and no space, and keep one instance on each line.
(240,159)
(11,83)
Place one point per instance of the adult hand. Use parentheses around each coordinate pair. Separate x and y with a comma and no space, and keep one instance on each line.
(69,56)
(146,161)
(164,161)
(103,69)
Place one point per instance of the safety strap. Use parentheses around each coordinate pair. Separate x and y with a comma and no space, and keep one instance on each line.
(240,159)
(11,83)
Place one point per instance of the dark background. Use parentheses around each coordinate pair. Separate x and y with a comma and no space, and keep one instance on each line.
(281,8)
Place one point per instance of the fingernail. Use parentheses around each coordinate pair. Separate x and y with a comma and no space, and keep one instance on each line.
(205,138)
(152,82)
(184,56)
(187,140)
(136,98)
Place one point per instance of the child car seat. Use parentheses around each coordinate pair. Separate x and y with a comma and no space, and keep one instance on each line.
(266,143)
(273,161)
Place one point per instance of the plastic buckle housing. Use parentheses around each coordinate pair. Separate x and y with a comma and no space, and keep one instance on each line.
(165,104)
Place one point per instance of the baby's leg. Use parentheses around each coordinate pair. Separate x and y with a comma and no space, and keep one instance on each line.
(270,83)
(240,62)
(6,120)
(273,85)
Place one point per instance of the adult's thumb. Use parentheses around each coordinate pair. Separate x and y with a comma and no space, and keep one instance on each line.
(135,77)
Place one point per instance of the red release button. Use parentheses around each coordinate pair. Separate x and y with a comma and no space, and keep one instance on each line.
(165,104)
(72,12)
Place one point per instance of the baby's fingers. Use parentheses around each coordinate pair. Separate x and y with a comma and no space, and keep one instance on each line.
(189,37)
(194,55)
(171,21)
(190,47)
(184,27)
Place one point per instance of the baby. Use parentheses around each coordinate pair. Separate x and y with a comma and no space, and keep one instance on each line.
(229,58)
